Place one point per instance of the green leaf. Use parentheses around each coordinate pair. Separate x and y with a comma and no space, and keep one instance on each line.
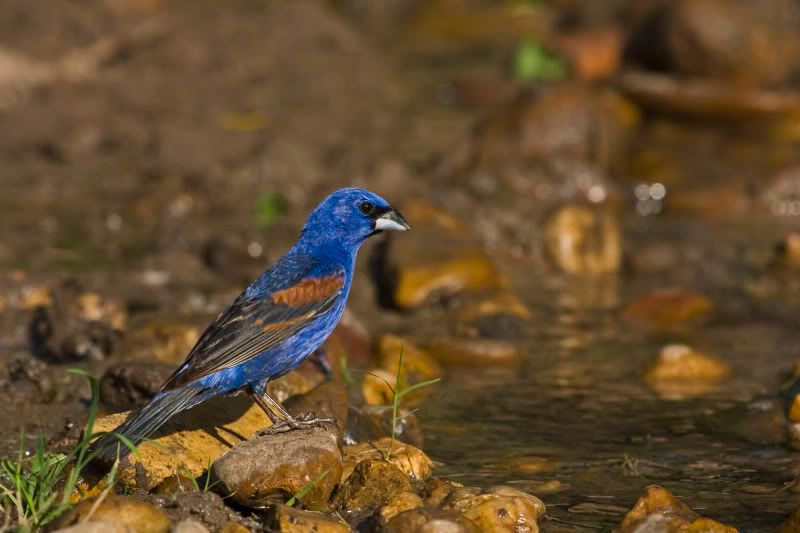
(271,208)
(419,385)
(532,62)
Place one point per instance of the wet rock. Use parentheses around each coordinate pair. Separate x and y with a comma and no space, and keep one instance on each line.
(351,341)
(455,351)
(273,468)
(582,240)
(443,260)
(371,484)
(680,372)
(292,384)
(25,380)
(400,502)
(430,520)
(293,520)
(189,526)
(373,422)
(68,339)
(328,400)
(658,510)
(669,309)
(377,386)
(417,366)
(413,462)
(188,442)
(129,385)
(592,53)
(792,523)
(437,490)
(558,120)
(746,42)
(708,99)
(503,303)
(167,342)
(127,511)
(499,508)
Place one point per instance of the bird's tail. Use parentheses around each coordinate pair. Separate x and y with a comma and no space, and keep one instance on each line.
(142,423)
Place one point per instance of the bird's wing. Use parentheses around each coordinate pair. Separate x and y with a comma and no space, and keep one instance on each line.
(255,323)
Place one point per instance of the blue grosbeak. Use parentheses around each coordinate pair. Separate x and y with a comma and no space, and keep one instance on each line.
(280,319)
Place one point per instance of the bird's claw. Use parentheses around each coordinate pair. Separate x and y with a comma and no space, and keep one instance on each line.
(302,421)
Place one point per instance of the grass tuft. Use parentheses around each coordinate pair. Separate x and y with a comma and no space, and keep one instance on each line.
(36,489)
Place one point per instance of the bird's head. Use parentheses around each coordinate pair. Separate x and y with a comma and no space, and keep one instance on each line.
(349,216)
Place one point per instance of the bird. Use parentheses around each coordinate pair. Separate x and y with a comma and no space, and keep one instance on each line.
(279,320)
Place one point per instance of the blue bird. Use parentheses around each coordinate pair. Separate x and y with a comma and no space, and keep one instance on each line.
(280,319)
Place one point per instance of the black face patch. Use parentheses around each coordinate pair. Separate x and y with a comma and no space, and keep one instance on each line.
(371,210)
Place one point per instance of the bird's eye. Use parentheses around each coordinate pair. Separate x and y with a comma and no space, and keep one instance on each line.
(367,208)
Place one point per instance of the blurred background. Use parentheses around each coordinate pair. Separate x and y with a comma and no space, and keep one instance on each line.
(605,199)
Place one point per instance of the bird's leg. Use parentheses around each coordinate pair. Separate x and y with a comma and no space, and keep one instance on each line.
(320,357)
(282,421)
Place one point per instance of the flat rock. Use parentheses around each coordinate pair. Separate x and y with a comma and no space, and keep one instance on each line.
(189,441)
(498,509)
(122,511)
(270,468)
(293,520)
(431,520)
(413,462)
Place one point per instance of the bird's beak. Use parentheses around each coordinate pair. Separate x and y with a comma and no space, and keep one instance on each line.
(391,220)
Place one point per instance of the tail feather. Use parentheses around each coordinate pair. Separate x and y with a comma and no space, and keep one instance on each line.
(142,423)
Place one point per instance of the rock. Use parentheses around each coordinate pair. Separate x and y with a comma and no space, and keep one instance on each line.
(174,485)
(708,99)
(437,490)
(93,307)
(25,380)
(189,526)
(205,506)
(400,502)
(792,522)
(430,520)
(443,260)
(63,339)
(350,340)
(96,527)
(328,400)
(413,462)
(189,441)
(498,509)
(377,386)
(593,53)
(129,385)
(293,520)
(455,351)
(292,384)
(496,303)
(658,510)
(372,483)
(680,372)
(582,240)
(669,309)
(417,366)
(746,42)
(557,120)
(167,342)
(373,422)
(266,469)
(126,511)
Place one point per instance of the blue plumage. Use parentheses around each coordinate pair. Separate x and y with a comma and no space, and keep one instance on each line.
(279,320)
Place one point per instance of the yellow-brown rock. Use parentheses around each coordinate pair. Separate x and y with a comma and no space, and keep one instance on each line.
(127,511)
(669,308)
(93,307)
(443,259)
(377,386)
(168,342)
(792,522)
(400,502)
(439,489)
(412,461)
(292,520)
(584,240)
(189,441)
(430,520)
(680,372)
(371,484)
(498,509)
(658,510)
(417,366)
(495,303)
(464,351)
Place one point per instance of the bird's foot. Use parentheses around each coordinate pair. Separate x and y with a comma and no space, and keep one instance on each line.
(303,421)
